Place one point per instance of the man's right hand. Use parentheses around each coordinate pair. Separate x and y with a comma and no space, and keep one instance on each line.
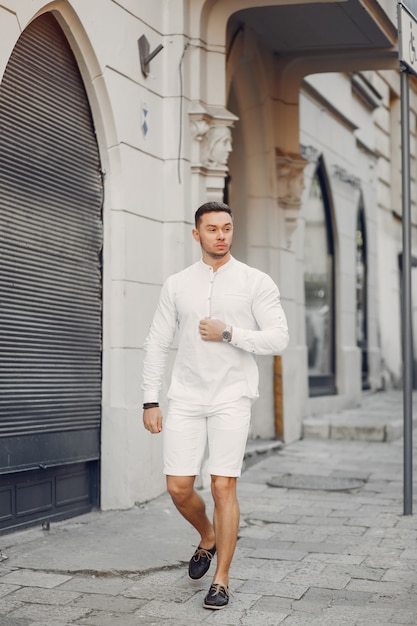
(152,420)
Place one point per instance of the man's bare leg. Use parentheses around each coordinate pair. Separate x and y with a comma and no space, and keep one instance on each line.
(192,507)
(226,524)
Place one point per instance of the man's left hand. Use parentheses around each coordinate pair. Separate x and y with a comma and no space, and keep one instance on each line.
(211,330)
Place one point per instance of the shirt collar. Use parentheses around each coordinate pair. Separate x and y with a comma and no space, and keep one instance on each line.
(221,269)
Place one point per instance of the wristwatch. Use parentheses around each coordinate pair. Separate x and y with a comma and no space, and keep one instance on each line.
(227,334)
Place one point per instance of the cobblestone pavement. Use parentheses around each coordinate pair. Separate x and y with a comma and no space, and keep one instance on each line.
(321,551)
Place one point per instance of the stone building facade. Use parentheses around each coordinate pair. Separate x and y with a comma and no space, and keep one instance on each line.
(289,110)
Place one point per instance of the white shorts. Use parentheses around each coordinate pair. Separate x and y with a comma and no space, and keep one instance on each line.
(188,428)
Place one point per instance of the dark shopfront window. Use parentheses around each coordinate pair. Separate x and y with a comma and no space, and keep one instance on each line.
(319,289)
(361,294)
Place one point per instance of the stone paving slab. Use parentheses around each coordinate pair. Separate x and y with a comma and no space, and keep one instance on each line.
(305,557)
(29,578)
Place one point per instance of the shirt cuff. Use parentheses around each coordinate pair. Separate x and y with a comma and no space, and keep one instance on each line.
(236,336)
(150,396)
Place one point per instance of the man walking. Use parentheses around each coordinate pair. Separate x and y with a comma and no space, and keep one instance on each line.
(226,313)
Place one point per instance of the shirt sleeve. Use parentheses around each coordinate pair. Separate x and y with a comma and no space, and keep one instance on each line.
(158,343)
(272,336)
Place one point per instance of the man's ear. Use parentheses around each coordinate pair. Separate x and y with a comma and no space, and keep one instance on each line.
(196,234)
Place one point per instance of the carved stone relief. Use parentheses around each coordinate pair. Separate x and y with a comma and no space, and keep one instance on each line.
(289,186)
(211,145)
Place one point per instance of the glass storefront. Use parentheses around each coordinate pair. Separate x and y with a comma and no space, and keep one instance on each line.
(319,291)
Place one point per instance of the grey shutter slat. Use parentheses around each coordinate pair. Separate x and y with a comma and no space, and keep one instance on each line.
(50,251)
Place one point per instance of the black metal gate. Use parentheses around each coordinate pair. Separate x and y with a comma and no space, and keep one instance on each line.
(50,284)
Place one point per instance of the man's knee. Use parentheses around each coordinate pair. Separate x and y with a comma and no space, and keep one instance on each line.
(180,488)
(223,487)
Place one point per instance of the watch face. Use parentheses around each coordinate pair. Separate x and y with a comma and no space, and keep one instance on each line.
(226,335)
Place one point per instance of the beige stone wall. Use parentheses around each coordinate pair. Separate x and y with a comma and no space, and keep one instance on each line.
(154,181)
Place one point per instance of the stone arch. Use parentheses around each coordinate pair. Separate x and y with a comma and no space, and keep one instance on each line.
(90,70)
(93,76)
(51,214)
(319,283)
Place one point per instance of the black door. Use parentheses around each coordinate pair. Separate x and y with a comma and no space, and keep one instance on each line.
(50,284)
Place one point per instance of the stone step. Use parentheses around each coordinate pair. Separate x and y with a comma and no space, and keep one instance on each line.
(353,428)
(379,417)
(259,449)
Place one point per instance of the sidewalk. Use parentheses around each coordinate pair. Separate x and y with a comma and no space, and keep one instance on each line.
(322,542)
(379,418)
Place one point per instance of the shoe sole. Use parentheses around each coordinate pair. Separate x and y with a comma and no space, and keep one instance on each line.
(215,608)
(197,580)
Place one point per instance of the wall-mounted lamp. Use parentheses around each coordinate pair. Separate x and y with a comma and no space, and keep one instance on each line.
(144,54)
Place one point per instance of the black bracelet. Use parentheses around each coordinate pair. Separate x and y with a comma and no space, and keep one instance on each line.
(150,405)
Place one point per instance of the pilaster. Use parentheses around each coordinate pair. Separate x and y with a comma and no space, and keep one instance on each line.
(210,149)
(289,188)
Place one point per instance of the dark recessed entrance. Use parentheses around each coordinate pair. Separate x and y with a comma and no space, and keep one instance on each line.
(50,284)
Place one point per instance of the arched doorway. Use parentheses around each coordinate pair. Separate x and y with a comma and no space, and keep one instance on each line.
(50,283)
(319,288)
(361,293)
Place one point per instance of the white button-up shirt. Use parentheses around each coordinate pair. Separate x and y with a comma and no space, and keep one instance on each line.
(213,372)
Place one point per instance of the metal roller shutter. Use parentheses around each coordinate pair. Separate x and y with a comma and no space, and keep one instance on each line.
(50,258)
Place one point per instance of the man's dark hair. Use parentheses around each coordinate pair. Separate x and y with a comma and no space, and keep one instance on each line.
(209,207)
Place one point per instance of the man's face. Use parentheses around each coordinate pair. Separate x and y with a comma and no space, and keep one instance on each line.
(215,234)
